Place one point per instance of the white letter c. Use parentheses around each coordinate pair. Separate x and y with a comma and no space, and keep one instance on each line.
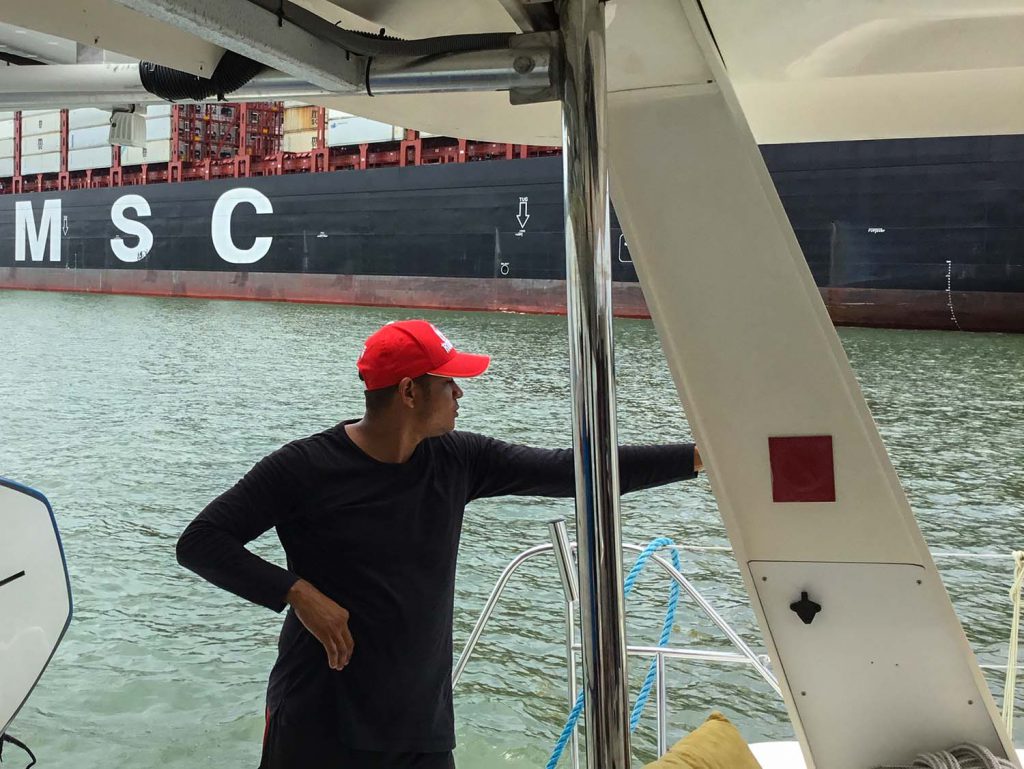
(220,226)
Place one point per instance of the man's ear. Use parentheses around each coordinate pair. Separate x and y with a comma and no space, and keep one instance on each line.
(405,391)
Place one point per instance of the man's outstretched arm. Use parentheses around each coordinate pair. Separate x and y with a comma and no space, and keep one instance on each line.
(498,468)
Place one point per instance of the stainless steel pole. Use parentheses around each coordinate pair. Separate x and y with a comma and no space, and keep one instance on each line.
(662,705)
(588,272)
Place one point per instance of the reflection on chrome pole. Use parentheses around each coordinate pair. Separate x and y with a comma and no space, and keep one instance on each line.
(588,273)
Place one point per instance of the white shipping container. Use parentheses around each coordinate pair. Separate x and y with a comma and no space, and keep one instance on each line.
(299,141)
(158,110)
(6,166)
(41,144)
(6,129)
(35,122)
(40,164)
(93,157)
(359,130)
(7,114)
(156,151)
(6,148)
(84,138)
(87,117)
(158,128)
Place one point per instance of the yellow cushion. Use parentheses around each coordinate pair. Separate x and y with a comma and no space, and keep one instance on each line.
(716,744)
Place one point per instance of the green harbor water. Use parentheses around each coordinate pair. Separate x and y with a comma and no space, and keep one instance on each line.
(132,413)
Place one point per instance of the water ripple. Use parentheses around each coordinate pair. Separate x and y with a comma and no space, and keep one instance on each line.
(132,413)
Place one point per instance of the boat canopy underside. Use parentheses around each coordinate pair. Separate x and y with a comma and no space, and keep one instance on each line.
(803,70)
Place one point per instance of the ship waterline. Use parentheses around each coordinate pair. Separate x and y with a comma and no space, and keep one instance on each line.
(873,308)
(540,297)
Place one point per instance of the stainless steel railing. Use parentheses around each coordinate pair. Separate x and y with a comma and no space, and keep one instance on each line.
(563,552)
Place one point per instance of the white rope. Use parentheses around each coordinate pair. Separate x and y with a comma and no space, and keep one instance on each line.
(960,757)
(1010,686)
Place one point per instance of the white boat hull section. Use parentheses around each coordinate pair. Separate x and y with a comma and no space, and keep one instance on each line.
(876,674)
(35,595)
(803,482)
(786,755)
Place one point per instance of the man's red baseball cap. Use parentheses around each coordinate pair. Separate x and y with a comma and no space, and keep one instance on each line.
(412,348)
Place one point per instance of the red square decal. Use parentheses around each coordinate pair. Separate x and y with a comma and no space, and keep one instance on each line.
(802,469)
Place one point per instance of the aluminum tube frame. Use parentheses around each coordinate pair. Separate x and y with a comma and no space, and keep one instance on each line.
(306,45)
(567,571)
(715,617)
(591,353)
(67,78)
(690,655)
(105,85)
(501,70)
(492,601)
(73,85)
(662,704)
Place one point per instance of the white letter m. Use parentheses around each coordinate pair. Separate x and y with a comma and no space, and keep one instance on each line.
(25,229)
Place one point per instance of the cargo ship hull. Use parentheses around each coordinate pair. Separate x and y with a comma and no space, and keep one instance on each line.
(889,245)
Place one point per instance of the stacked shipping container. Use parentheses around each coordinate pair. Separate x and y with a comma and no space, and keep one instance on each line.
(304,129)
(6,144)
(60,141)
(40,141)
(206,131)
(344,130)
(88,134)
(158,139)
(302,125)
(45,150)
(261,126)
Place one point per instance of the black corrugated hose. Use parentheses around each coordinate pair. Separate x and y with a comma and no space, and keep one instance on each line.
(232,72)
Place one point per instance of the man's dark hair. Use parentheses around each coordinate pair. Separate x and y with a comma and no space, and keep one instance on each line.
(378,400)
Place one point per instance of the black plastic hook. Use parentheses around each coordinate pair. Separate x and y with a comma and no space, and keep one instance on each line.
(805,608)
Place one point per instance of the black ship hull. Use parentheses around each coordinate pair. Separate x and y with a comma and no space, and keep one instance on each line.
(918,234)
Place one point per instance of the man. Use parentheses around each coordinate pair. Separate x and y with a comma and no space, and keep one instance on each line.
(369,513)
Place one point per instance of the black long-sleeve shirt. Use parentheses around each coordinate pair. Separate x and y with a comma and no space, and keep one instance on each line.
(381,540)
